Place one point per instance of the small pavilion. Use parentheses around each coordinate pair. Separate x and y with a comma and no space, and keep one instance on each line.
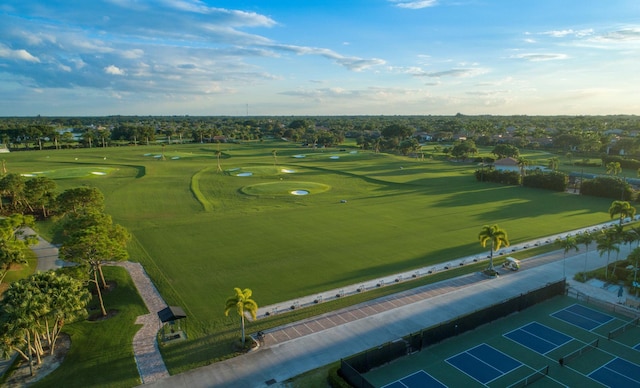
(173,324)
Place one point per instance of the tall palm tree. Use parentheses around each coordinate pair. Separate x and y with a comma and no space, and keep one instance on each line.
(567,244)
(243,304)
(553,163)
(623,209)
(606,242)
(497,236)
(585,238)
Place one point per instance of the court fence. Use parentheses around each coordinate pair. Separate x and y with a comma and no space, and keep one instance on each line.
(353,368)
(604,305)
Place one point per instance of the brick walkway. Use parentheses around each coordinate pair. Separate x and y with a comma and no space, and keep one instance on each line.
(145,342)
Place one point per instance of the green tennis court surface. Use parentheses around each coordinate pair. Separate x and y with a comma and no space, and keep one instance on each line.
(524,349)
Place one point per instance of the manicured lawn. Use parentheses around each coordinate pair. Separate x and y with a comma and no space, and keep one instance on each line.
(200,232)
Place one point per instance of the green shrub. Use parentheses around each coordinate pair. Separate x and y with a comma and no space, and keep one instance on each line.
(335,379)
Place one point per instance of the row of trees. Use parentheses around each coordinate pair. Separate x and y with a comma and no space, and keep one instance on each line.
(34,310)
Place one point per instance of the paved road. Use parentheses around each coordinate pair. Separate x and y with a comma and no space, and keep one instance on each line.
(303,346)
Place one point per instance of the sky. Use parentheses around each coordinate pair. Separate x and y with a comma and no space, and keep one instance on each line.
(319,57)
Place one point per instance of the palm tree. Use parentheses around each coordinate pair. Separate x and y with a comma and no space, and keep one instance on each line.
(275,158)
(567,244)
(243,304)
(553,163)
(585,238)
(623,209)
(606,242)
(497,236)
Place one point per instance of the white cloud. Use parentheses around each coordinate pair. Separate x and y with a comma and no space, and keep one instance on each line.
(570,32)
(414,4)
(114,70)
(20,54)
(539,57)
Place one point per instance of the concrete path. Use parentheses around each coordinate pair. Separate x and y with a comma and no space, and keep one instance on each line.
(302,346)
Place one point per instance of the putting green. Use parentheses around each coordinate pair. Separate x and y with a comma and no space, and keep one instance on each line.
(260,171)
(72,172)
(285,188)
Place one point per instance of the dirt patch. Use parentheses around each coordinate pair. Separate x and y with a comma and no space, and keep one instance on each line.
(99,317)
(21,376)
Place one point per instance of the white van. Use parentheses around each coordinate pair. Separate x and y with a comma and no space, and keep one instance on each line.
(511,263)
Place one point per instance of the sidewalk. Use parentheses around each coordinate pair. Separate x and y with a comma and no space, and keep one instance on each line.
(303,346)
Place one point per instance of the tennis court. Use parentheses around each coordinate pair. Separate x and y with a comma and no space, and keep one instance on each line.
(419,379)
(618,373)
(484,363)
(583,317)
(538,337)
(525,349)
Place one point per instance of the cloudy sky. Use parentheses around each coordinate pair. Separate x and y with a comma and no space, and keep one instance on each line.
(319,57)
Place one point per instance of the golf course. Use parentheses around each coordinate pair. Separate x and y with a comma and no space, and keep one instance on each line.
(288,221)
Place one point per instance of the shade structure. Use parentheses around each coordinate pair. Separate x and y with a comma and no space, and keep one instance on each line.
(171,313)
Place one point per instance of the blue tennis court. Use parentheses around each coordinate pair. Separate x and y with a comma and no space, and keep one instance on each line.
(484,363)
(538,337)
(582,317)
(418,379)
(618,373)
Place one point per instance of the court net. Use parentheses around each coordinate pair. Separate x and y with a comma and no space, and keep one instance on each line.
(577,353)
(618,331)
(532,378)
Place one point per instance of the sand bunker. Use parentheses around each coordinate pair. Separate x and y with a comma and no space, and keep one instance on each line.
(245,174)
(27,175)
(146,155)
(175,158)
(287,171)
(353,152)
(334,157)
(298,156)
(98,173)
(299,192)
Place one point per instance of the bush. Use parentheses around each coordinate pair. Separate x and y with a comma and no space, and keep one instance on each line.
(504,177)
(335,380)
(607,187)
(556,181)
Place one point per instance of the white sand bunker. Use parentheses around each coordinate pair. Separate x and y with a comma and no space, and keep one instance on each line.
(287,171)
(27,175)
(299,192)
(175,158)
(334,157)
(98,173)
(146,155)
(245,174)
(298,156)
(353,152)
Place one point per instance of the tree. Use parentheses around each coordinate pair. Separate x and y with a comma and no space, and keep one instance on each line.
(80,199)
(34,311)
(553,163)
(397,131)
(40,192)
(567,244)
(497,236)
(92,239)
(606,242)
(14,241)
(243,304)
(463,149)
(505,151)
(585,238)
(623,209)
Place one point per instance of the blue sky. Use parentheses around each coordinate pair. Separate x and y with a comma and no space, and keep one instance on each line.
(308,57)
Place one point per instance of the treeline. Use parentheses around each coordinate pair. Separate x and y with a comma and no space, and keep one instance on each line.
(611,135)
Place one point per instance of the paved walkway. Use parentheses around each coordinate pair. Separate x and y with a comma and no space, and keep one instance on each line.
(145,342)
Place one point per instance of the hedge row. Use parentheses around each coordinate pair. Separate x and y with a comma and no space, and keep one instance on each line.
(607,187)
(556,181)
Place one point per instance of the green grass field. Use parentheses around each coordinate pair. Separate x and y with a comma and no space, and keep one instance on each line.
(199,231)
